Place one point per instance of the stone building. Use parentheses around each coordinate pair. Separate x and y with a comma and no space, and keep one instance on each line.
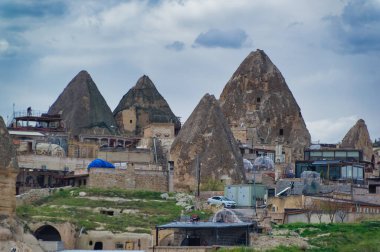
(141,106)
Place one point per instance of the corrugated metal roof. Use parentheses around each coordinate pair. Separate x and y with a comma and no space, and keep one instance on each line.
(325,162)
(25,133)
(204,225)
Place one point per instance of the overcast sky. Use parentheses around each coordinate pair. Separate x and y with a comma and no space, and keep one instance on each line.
(327,50)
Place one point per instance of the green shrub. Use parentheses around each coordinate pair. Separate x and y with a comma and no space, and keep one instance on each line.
(212,185)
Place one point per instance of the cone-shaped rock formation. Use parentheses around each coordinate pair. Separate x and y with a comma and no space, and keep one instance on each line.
(257,100)
(206,134)
(142,105)
(358,138)
(83,108)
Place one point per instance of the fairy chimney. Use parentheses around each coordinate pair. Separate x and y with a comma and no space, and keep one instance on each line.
(206,141)
(257,101)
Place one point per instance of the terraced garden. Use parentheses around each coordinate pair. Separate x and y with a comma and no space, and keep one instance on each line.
(99,209)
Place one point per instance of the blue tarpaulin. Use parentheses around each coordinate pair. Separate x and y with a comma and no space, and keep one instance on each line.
(100,163)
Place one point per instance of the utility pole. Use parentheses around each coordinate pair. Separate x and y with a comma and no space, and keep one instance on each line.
(198,174)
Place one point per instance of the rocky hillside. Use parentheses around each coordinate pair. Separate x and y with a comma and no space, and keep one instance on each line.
(8,172)
(206,134)
(7,150)
(83,108)
(12,235)
(258,100)
(142,105)
(358,138)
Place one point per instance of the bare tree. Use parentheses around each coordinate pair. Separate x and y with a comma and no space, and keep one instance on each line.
(318,210)
(331,207)
(343,211)
(308,207)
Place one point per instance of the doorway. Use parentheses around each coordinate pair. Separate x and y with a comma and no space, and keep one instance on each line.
(98,246)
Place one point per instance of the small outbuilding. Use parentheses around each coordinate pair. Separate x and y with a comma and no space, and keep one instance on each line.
(209,233)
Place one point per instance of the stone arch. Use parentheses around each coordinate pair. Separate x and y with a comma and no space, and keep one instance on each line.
(65,230)
(47,233)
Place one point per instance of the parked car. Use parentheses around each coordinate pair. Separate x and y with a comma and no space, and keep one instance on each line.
(221,200)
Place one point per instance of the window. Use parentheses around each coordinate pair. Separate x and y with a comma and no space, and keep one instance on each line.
(354,172)
(371,189)
(281,132)
(328,154)
(344,172)
(119,245)
(258,99)
(316,154)
(130,121)
(349,171)
(340,154)
(353,154)
(360,173)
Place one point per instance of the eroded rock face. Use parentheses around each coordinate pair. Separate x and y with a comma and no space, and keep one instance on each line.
(358,138)
(8,158)
(8,172)
(258,100)
(142,105)
(83,108)
(206,134)
(14,238)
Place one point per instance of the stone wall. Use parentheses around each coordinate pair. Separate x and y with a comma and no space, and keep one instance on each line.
(130,178)
(109,178)
(52,163)
(109,240)
(361,194)
(136,156)
(151,180)
(32,196)
(8,191)
(159,130)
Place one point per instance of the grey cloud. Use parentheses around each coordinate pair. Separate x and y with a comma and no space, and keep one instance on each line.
(294,24)
(176,46)
(357,28)
(236,38)
(34,9)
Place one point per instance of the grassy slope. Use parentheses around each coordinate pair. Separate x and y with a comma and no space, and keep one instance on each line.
(361,237)
(341,236)
(66,205)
